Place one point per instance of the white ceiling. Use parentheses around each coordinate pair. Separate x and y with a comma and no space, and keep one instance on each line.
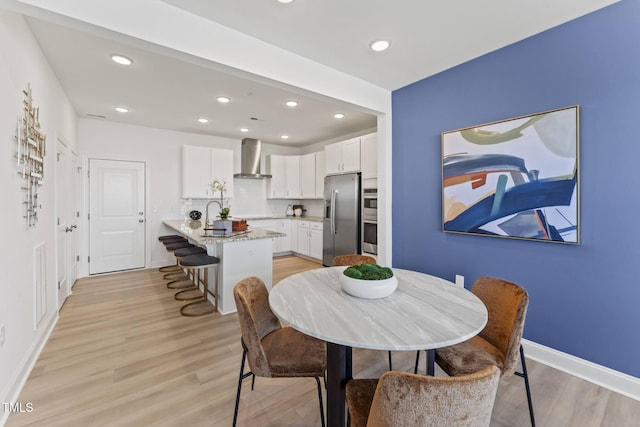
(170,91)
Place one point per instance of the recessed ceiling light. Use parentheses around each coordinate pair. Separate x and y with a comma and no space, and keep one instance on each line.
(121,109)
(292,103)
(223,99)
(379,45)
(203,120)
(122,60)
(244,130)
(285,1)
(338,115)
(285,137)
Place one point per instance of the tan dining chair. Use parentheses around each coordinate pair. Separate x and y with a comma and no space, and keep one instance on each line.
(400,399)
(499,342)
(273,351)
(353,259)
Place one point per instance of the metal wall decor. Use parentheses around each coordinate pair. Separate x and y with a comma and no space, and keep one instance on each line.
(30,152)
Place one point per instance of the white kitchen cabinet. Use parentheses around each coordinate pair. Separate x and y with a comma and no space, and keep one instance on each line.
(320,171)
(308,176)
(342,157)
(369,156)
(293,229)
(310,239)
(275,167)
(200,166)
(280,244)
(292,177)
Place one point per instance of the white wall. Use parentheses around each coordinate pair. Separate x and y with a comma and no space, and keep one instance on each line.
(22,62)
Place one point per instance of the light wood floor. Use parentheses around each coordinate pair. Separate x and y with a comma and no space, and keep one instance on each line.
(121,355)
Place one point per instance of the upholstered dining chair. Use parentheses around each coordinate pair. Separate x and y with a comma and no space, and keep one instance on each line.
(353,259)
(499,342)
(273,351)
(400,399)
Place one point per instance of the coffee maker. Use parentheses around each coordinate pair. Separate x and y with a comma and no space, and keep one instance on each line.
(298,210)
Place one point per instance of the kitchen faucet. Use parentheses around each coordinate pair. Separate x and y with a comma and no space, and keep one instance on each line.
(206,218)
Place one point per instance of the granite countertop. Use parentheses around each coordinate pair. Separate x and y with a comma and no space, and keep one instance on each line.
(298,218)
(194,230)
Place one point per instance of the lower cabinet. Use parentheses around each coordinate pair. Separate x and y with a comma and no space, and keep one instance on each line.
(309,239)
(280,244)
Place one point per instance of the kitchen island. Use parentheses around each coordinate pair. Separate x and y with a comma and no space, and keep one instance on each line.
(241,255)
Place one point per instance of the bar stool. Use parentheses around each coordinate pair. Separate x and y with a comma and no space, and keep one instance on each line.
(167,239)
(171,246)
(199,265)
(185,282)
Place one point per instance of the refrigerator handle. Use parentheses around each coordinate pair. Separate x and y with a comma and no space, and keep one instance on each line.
(334,193)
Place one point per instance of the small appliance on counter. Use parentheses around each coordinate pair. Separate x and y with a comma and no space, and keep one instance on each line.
(289,211)
(298,210)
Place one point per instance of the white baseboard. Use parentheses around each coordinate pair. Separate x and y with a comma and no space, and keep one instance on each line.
(618,382)
(18,380)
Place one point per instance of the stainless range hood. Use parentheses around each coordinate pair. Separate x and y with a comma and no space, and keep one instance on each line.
(250,160)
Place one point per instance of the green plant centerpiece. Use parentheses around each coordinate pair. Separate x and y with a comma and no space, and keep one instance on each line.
(368,272)
(369,281)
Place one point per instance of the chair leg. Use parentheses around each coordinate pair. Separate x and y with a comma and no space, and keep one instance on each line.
(241,377)
(525,376)
(390,365)
(320,399)
(415,369)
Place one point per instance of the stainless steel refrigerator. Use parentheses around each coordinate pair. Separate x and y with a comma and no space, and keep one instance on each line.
(341,224)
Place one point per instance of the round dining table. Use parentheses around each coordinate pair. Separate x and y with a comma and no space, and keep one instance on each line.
(424,313)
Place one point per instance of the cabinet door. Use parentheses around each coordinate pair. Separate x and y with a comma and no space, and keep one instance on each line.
(303,238)
(351,155)
(275,166)
(369,156)
(320,173)
(308,176)
(292,176)
(222,169)
(333,158)
(285,242)
(196,172)
(293,228)
(315,241)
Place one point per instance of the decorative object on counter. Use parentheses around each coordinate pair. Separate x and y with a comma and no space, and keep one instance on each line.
(195,215)
(222,227)
(195,224)
(30,152)
(289,211)
(239,225)
(297,210)
(221,186)
(369,281)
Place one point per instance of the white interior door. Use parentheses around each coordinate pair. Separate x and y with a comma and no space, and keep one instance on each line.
(116,215)
(75,196)
(63,228)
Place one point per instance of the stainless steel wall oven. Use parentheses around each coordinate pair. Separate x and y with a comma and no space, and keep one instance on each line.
(370,221)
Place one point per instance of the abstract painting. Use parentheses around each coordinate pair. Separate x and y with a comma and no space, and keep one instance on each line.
(515,178)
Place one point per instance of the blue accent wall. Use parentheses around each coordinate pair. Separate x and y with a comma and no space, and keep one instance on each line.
(584,299)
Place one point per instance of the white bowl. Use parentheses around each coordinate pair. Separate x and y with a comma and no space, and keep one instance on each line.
(369,289)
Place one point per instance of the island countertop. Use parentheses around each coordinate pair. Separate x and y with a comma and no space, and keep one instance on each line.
(194,230)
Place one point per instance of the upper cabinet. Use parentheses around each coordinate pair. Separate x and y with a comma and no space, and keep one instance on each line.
(200,166)
(292,177)
(285,176)
(369,156)
(320,171)
(343,157)
(308,176)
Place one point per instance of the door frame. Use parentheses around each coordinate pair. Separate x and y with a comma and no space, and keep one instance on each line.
(84,217)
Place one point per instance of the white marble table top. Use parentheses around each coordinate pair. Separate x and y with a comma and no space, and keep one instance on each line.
(425,312)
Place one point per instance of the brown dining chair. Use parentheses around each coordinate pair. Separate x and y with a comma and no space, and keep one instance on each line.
(353,259)
(273,351)
(400,399)
(499,342)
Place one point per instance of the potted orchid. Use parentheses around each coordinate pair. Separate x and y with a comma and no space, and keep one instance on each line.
(224,225)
